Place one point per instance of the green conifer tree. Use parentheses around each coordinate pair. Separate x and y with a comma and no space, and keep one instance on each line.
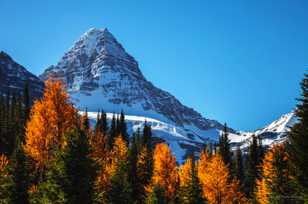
(79,168)
(157,196)
(298,139)
(238,166)
(192,193)
(21,175)
(121,190)
(6,181)
(224,147)
(252,166)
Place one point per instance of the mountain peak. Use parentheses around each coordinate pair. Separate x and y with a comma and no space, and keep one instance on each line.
(4,55)
(99,73)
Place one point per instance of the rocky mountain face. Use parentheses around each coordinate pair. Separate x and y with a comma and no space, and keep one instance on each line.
(99,73)
(13,78)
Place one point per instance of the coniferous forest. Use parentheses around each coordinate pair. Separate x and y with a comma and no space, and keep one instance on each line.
(49,153)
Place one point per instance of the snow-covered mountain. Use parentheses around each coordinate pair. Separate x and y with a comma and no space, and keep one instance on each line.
(274,133)
(13,78)
(99,73)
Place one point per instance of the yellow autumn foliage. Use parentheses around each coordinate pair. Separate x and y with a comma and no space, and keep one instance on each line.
(215,181)
(50,118)
(111,163)
(269,173)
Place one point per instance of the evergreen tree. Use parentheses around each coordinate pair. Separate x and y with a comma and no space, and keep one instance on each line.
(238,166)
(6,181)
(98,124)
(147,136)
(276,184)
(120,192)
(112,132)
(21,176)
(252,166)
(85,121)
(190,188)
(132,163)
(144,172)
(123,128)
(157,196)
(49,189)
(298,138)
(79,168)
(224,147)
(104,123)
(26,101)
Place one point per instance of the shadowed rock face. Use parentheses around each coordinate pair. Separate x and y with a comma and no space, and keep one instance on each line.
(13,78)
(98,68)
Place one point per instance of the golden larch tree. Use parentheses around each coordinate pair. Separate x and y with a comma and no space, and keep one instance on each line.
(50,118)
(276,180)
(165,172)
(215,181)
(185,173)
(109,165)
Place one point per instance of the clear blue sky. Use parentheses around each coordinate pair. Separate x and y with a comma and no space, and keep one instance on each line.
(239,62)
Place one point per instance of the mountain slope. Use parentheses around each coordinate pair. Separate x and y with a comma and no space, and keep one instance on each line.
(13,78)
(275,132)
(99,73)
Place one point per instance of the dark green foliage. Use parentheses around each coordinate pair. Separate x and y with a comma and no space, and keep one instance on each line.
(6,186)
(132,165)
(140,174)
(147,136)
(283,188)
(298,138)
(112,133)
(21,176)
(85,121)
(26,101)
(192,192)
(224,147)
(12,122)
(104,123)
(238,166)
(253,161)
(157,196)
(49,188)
(121,191)
(78,168)
(123,128)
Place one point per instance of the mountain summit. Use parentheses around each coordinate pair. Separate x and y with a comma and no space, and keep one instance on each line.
(99,73)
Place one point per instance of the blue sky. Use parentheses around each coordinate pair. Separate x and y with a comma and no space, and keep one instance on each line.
(239,62)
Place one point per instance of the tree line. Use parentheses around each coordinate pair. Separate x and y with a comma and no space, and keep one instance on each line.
(49,153)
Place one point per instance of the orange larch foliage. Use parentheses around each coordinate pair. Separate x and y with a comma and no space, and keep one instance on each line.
(185,173)
(3,162)
(215,181)
(98,146)
(165,172)
(50,118)
(269,173)
(110,164)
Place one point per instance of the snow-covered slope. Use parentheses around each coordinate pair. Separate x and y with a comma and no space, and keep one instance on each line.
(99,73)
(275,132)
(181,140)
